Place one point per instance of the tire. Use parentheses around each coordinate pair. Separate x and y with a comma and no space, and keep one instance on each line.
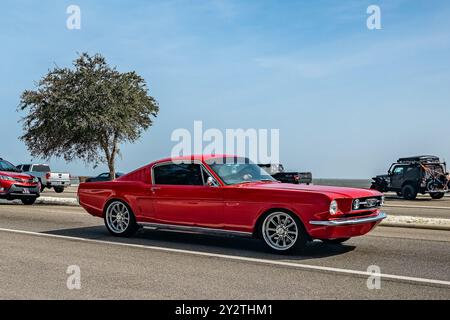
(126,226)
(282,232)
(335,241)
(58,189)
(437,195)
(28,201)
(42,186)
(409,192)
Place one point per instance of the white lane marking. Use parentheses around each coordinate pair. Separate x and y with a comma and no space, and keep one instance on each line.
(235,258)
(414,207)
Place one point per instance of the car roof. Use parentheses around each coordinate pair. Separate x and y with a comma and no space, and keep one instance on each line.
(194,157)
(424,158)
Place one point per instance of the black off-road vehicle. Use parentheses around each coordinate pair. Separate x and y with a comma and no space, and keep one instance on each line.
(410,176)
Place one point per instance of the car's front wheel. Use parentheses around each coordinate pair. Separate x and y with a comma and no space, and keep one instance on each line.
(42,187)
(28,201)
(409,192)
(120,220)
(58,189)
(283,232)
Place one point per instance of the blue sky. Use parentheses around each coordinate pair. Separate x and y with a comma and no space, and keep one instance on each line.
(347,100)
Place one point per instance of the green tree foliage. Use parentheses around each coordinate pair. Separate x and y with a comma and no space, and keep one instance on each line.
(86,112)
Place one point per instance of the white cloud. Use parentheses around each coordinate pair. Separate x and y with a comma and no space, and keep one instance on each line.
(350,54)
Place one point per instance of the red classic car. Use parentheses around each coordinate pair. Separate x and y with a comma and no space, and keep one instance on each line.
(230,195)
(17,185)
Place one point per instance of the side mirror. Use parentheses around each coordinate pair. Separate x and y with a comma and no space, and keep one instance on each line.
(210,182)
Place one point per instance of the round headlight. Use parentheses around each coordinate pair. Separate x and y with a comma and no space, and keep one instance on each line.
(356,204)
(333,207)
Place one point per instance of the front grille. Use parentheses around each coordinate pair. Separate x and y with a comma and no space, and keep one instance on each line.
(357,215)
(23,180)
(367,203)
(26,187)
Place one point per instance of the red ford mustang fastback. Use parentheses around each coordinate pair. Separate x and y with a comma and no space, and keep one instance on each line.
(230,195)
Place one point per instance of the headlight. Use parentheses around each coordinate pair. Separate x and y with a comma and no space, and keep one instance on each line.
(333,207)
(6,178)
(356,204)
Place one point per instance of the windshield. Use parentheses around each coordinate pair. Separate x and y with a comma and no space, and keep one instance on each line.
(234,170)
(6,166)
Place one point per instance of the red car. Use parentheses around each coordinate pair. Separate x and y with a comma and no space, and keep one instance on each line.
(230,195)
(17,185)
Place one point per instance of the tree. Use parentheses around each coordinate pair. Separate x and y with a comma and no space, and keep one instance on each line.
(86,112)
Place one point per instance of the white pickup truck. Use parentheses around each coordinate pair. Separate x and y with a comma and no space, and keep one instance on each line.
(57,181)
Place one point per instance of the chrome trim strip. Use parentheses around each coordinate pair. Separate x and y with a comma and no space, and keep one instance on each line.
(201,230)
(351,221)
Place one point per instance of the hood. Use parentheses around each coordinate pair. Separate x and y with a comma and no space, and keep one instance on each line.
(334,192)
(16,175)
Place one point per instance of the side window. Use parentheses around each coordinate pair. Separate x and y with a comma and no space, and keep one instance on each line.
(104,175)
(412,170)
(398,171)
(26,168)
(178,174)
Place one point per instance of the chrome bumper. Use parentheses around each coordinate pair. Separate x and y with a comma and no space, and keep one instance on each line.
(349,221)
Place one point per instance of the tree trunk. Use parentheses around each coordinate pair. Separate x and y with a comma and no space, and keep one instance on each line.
(112,170)
(111,156)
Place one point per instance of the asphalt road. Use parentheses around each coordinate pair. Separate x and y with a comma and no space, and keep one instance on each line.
(38,243)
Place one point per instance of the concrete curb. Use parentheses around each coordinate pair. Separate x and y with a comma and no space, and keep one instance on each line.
(57,201)
(416,222)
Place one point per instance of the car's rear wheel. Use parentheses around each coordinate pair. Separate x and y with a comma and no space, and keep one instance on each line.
(283,232)
(437,195)
(42,185)
(58,189)
(409,192)
(28,201)
(120,220)
(335,241)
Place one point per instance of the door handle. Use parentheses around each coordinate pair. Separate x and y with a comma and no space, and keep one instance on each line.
(153,189)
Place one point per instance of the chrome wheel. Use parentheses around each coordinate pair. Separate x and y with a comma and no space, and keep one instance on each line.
(280,231)
(118,217)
